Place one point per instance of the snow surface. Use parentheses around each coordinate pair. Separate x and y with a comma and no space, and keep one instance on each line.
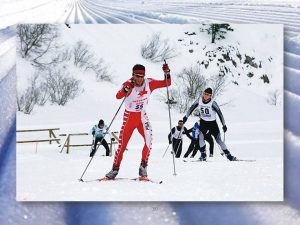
(186,213)
(56,178)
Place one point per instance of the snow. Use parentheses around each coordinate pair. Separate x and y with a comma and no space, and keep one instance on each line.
(186,213)
(217,180)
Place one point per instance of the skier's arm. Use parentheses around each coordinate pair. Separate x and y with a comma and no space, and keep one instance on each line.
(190,130)
(216,108)
(191,109)
(154,84)
(93,130)
(186,132)
(170,134)
(125,90)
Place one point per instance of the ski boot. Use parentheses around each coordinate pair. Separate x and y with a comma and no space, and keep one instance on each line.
(203,156)
(143,171)
(229,156)
(113,173)
(211,155)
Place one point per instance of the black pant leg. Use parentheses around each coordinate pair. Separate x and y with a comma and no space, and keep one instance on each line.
(105,145)
(190,149)
(176,145)
(197,147)
(210,140)
(179,149)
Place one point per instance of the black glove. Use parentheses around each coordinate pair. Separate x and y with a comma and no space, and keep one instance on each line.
(93,133)
(224,128)
(184,119)
(113,139)
(170,142)
(126,89)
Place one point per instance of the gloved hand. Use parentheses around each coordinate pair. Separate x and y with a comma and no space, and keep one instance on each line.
(126,89)
(224,128)
(93,133)
(113,139)
(166,70)
(128,85)
(184,119)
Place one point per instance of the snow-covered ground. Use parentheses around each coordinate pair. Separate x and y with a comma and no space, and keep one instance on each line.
(56,178)
(148,213)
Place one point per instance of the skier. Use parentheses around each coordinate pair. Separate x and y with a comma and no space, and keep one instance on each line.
(194,145)
(98,132)
(176,134)
(208,109)
(137,91)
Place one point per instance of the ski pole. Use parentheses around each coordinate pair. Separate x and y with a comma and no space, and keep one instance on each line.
(80,179)
(169,109)
(166,150)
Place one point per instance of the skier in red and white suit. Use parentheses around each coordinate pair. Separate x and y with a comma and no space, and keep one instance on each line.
(137,91)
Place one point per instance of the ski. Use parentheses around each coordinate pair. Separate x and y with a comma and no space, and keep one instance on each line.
(104,179)
(195,160)
(245,160)
(238,160)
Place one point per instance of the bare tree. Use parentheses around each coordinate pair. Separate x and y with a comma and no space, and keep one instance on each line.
(274,97)
(189,85)
(62,86)
(157,49)
(36,39)
(27,100)
(218,84)
(82,54)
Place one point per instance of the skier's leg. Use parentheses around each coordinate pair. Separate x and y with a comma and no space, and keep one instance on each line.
(126,131)
(190,149)
(210,140)
(179,149)
(105,145)
(94,147)
(145,129)
(217,135)
(202,146)
(196,148)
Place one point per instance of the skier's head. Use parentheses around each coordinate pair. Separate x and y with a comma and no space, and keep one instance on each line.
(207,93)
(180,123)
(138,74)
(101,123)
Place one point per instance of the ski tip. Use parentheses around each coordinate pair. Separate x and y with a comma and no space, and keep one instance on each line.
(104,179)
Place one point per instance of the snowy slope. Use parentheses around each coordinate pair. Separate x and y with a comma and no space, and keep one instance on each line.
(240,12)
(120,49)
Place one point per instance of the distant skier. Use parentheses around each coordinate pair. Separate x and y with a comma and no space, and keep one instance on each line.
(194,145)
(137,91)
(208,109)
(98,132)
(177,133)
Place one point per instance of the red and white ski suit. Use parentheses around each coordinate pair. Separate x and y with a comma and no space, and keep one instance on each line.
(135,116)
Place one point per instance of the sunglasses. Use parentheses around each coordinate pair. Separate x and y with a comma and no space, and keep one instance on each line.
(139,75)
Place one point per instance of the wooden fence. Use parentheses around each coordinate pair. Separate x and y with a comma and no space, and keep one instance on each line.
(52,136)
(67,144)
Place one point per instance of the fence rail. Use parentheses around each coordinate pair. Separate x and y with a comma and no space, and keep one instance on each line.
(67,144)
(52,136)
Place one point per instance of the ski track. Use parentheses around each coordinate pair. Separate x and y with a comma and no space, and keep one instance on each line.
(157,12)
